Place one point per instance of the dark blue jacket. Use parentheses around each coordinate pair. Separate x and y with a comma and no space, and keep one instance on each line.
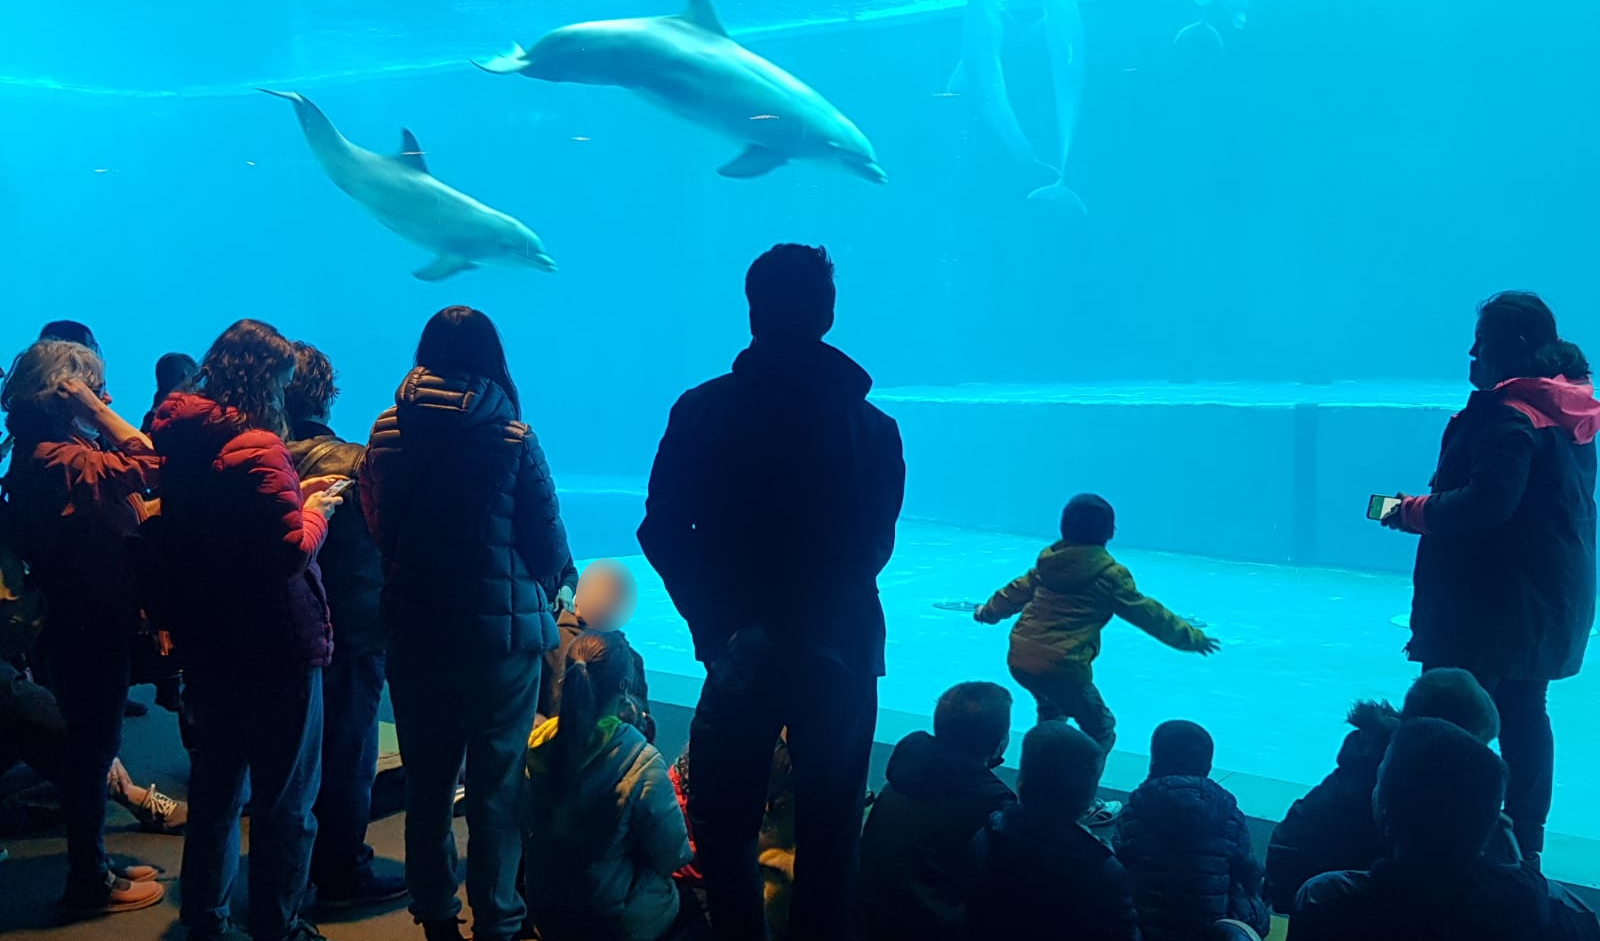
(1186,847)
(773,503)
(1505,574)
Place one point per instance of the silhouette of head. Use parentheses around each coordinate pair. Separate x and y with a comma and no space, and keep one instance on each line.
(310,395)
(1088,520)
(73,332)
(1061,770)
(464,341)
(974,720)
(791,293)
(173,371)
(1456,697)
(33,409)
(246,369)
(607,595)
(1180,747)
(1439,792)
(1516,338)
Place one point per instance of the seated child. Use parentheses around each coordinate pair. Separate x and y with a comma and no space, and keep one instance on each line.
(1438,804)
(1332,828)
(941,791)
(1186,844)
(1037,873)
(1066,600)
(603,833)
(606,597)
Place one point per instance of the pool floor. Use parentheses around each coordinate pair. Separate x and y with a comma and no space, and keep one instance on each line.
(1299,645)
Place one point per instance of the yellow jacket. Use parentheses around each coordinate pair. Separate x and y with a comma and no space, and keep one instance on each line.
(1067,599)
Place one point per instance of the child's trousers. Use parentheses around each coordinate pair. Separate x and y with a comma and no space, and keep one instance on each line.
(1062,694)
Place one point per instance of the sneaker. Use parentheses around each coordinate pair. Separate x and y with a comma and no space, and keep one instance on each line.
(157,813)
(1103,813)
(369,888)
(115,896)
(446,930)
(137,873)
(460,806)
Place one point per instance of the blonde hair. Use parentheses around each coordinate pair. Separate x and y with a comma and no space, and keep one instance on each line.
(33,409)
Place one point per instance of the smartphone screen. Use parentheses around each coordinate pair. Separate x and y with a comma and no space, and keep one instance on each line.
(1380,506)
(338,487)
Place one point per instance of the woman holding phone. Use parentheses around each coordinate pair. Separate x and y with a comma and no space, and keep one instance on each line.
(459,497)
(1505,574)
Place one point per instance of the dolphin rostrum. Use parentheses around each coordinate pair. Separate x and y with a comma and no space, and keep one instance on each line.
(688,65)
(981,77)
(1063,30)
(399,192)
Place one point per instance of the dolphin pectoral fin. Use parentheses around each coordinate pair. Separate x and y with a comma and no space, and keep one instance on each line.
(513,61)
(959,84)
(703,14)
(411,152)
(755,161)
(291,95)
(1059,194)
(442,267)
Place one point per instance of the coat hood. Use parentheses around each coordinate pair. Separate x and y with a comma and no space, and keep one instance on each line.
(190,425)
(923,768)
(606,732)
(1555,403)
(1183,807)
(1068,566)
(810,370)
(430,403)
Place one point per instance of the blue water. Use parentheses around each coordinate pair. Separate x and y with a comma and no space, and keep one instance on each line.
(1319,200)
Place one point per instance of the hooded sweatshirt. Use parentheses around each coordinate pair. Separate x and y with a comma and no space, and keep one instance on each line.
(915,850)
(1505,573)
(1067,599)
(1186,847)
(241,579)
(601,851)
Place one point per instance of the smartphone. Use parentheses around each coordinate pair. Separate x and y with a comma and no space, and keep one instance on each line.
(1380,506)
(338,487)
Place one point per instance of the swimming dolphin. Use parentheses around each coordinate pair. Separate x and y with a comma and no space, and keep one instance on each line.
(399,192)
(688,65)
(981,78)
(1063,33)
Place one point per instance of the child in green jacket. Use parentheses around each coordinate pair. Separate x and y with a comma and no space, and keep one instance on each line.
(1066,600)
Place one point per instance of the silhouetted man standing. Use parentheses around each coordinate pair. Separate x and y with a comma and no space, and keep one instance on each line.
(771,512)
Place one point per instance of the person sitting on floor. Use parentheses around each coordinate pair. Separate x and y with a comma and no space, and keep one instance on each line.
(1186,845)
(1438,803)
(603,833)
(1332,827)
(1038,873)
(941,790)
(1066,600)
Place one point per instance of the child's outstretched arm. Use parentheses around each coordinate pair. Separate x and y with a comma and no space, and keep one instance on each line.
(1151,616)
(1009,600)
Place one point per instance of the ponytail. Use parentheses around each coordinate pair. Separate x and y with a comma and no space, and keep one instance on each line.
(598,669)
(1561,358)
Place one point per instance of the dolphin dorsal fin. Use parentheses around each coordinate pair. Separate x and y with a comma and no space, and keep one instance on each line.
(704,15)
(410,151)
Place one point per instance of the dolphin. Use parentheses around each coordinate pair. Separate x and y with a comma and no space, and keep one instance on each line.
(688,65)
(399,192)
(981,77)
(1063,34)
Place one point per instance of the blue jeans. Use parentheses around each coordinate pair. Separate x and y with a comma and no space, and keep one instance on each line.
(89,666)
(447,710)
(351,690)
(270,727)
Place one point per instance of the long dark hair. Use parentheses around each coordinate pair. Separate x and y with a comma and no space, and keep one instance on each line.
(461,339)
(1524,316)
(246,369)
(598,669)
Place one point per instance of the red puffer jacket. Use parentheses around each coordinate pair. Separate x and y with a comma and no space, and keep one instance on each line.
(247,595)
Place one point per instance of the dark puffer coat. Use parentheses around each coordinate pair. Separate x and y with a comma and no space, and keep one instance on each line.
(773,502)
(1039,878)
(460,499)
(1505,574)
(246,595)
(352,572)
(915,850)
(1186,847)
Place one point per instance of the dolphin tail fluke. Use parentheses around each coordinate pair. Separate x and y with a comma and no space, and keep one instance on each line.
(514,61)
(442,267)
(1058,194)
